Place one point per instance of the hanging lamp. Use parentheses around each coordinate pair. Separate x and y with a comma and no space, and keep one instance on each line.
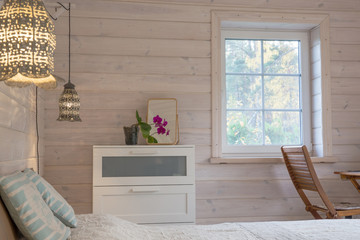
(27,44)
(69,102)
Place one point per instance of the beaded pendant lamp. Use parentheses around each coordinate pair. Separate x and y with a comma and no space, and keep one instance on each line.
(27,44)
(69,102)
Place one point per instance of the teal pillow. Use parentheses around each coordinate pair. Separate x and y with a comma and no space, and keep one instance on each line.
(30,213)
(58,205)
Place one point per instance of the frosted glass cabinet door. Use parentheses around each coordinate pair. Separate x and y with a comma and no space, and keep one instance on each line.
(143,165)
(140,166)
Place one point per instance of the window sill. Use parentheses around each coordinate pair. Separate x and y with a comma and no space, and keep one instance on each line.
(268,160)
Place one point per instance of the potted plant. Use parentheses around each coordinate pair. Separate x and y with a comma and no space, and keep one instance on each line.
(131,133)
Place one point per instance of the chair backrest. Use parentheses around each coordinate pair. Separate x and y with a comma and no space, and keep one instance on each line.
(303,176)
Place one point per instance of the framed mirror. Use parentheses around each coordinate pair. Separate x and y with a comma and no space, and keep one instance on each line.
(163,117)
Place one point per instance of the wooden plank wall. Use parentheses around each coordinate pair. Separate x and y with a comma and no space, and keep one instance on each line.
(124,52)
(18,128)
(315,78)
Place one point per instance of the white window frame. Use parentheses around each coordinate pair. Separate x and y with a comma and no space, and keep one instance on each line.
(267,150)
(318,25)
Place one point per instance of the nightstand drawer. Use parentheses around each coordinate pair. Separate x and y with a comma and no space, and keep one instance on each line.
(143,165)
(147,204)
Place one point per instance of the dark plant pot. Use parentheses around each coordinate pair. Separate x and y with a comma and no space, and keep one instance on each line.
(131,134)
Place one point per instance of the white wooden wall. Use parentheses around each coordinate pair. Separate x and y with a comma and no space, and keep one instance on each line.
(18,128)
(316,100)
(125,52)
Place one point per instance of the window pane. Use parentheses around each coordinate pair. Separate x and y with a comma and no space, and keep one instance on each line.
(244,128)
(281,92)
(243,92)
(282,128)
(243,56)
(281,57)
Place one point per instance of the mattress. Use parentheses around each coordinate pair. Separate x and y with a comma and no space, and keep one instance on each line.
(99,227)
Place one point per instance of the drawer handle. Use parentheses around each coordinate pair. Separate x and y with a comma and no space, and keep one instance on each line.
(144,189)
(142,153)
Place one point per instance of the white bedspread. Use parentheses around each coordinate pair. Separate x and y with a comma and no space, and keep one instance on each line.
(107,227)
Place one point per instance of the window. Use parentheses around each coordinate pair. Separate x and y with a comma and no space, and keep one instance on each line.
(265,91)
(314,122)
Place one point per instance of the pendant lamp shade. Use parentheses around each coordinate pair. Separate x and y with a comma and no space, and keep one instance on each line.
(69,104)
(27,44)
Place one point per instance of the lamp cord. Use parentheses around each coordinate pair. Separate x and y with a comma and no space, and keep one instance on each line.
(36,89)
(69,10)
(37,130)
(69,39)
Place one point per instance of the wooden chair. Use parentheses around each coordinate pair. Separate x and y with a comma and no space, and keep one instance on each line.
(303,175)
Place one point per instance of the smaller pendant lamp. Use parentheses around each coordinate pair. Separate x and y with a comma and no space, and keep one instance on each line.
(27,44)
(69,102)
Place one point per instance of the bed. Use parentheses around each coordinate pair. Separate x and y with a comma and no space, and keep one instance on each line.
(100,227)
(96,227)
(26,196)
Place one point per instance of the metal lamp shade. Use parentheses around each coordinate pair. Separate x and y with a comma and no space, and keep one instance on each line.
(27,44)
(69,104)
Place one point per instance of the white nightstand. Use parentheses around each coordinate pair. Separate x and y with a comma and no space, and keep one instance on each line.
(145,183)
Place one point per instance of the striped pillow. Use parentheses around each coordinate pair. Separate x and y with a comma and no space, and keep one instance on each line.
(61,209)
(30,213)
